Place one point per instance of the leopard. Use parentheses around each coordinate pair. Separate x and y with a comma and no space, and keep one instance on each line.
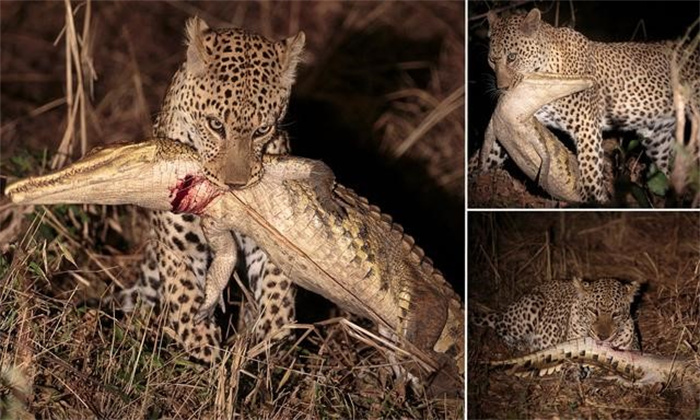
(227,100)
(632,90)
(564,310)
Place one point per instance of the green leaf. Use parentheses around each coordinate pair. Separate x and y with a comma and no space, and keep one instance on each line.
(639,196)
(633,144)
(34,268)
(22,162)
(658,184)
(67,254)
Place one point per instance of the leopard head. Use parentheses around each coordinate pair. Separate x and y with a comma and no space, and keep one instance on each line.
(517,45)
(229,97)
(605,305)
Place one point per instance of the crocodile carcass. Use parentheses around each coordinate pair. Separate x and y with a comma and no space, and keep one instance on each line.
(322,235)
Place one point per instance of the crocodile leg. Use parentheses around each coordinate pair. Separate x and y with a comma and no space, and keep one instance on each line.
(223,245)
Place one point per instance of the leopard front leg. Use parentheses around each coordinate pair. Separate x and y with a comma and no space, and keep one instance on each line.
(626,337)
(274,293)
(149,288)
(591,161)
(182,256)
(581,116)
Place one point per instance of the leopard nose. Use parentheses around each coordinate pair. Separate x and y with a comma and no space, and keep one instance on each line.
(502,84)
(603,327)
(504,77)
(253,175)
(236,163)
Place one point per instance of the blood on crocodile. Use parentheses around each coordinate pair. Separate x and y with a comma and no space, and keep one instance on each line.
(192,194)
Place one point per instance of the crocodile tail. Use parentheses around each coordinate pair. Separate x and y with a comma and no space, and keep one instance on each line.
(585,351)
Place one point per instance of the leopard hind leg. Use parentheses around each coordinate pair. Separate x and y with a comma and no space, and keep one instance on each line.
(658,141)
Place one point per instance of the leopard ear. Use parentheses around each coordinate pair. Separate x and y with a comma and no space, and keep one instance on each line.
(580,285)
(531,23)
(492,17)
(290,53)
(197,58)
(632,290)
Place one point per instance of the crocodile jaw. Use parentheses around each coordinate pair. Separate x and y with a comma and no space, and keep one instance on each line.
(535,90)
(157,174)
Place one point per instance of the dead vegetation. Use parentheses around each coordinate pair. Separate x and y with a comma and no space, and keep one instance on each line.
(686,96)
(382,87)
(510,254)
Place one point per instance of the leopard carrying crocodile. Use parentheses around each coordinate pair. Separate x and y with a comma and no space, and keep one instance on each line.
(630,366)
(325,237)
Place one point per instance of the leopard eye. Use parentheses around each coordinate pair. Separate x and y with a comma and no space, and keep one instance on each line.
(217,126)
(262,130)
(511,57)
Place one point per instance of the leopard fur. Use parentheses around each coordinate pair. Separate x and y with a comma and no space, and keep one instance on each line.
(565,310)
(227,100)
(632,90)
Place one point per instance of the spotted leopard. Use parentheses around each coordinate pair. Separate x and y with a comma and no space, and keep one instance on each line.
(632,90)
(227,100)
(565,310)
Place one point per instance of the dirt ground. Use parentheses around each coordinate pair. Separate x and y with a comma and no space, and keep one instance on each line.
(379,98)
(510,253)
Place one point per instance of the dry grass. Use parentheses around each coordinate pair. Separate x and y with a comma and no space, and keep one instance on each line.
(686,96)
(79,75)
(510,254)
